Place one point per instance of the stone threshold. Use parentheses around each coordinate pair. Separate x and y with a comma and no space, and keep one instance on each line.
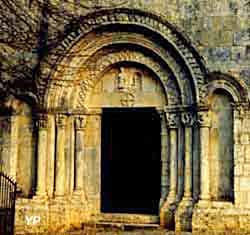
(127,226)
(124,218)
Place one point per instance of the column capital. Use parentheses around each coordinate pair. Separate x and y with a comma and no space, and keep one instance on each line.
(80,122)
(188,118)
(240,109)
(42,121)
(173,120)
(60,120)
(203,118)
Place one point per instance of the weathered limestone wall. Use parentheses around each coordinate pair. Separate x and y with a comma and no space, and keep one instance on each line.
(17,143)
(242,159)
(5,143)
(26,152)
(219,29)
(225,217)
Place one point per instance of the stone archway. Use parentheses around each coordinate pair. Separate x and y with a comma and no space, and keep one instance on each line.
(119,59)
(127,59)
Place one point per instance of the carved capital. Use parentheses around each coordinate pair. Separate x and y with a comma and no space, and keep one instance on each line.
(80,122)
(173,120)
(240,110)
(187,118)
(60,120)
(42,121)
(203,119)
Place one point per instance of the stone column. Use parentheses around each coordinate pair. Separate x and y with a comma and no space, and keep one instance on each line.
(80,122)
(92,162)
(173,124)
(164,158)
(60,155)
(188,121)
(13,145)
(42,125)
(183,217)
(204,124)
(169,206)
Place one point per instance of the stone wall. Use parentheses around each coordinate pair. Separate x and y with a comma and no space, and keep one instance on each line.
(219,29)
(242,160)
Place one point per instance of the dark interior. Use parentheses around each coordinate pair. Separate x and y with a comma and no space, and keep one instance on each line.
(131,166)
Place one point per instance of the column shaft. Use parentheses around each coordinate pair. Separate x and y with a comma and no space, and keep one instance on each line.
(188,121)
(79,151)
(204,124)
(173,164)
(14,145)
(188,163)
(60,156)
(173,123)
(42,124)
(164,158)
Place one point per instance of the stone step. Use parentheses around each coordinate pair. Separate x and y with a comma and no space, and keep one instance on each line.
(127,226)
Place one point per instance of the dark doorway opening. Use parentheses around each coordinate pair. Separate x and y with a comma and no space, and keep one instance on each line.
(131,161)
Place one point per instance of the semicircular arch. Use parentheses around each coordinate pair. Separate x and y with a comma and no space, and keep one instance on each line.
(159,27)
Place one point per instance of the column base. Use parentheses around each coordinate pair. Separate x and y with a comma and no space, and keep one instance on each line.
(78,194)
(204,203)
(167,213)
(59,196)
(167,217)
(183,216)
(41,197)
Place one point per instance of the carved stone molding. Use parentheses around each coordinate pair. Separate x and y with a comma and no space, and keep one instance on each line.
(60,120)
(188,118)
(173,120)
(80,122)
(193,62)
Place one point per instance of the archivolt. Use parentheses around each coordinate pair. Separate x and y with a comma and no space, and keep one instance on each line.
(162,30)
(235,87)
